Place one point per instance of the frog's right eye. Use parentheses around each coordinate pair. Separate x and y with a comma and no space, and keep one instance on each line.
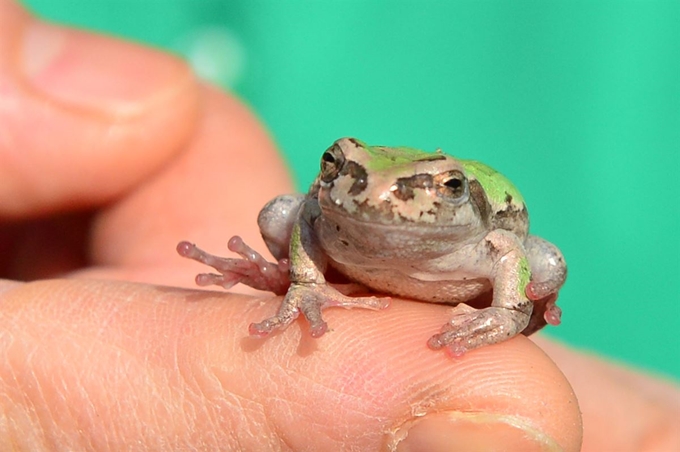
(453,186)
(332,162)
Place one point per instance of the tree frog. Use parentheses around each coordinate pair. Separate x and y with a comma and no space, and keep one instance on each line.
(398,221)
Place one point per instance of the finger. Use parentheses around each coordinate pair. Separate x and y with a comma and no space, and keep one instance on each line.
(116,363)
(622,410)
(82,117)
(208,192)
(212,190)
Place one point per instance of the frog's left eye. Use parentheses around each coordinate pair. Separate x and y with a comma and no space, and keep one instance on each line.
(332,162)
(452,185)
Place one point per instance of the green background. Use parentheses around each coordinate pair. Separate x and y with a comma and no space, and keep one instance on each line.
(577,102)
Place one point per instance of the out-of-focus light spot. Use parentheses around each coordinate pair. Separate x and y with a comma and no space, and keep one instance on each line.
(215,53)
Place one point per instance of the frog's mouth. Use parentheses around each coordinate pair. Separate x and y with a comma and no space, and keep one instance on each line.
(346,235)
(372,223)
(387,214)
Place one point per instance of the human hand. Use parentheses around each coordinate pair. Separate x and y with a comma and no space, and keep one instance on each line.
(111,153)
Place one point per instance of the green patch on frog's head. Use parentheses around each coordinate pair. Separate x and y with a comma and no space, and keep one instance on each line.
(378,158)
(498,188)
(497,199)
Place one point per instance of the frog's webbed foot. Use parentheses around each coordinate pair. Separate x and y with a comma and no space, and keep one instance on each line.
(310,299)
(252,269)
(472,328)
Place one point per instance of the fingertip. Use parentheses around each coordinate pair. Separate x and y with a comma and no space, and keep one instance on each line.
(89,72)
(378,368)
(514,382)
(85,116)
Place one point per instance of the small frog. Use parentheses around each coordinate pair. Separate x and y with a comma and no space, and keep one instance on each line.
(404,222)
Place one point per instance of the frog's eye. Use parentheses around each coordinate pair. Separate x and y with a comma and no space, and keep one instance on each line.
(332,162)
(452,185)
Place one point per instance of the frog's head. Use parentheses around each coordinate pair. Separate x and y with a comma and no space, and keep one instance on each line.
(398,186)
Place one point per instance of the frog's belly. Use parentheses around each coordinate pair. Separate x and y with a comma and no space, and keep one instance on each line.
(443,290)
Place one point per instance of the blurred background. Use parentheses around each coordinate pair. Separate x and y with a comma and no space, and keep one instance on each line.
(576,102)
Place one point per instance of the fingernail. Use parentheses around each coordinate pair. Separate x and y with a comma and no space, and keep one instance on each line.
(92,71)
(456,431)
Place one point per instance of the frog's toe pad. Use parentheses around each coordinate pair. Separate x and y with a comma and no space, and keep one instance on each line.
(188,250)
(212,279)
(456,349)
(318,329)
(553,314)
(264,328)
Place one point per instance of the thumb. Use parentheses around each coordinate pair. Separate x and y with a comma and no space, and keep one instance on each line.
(82,117)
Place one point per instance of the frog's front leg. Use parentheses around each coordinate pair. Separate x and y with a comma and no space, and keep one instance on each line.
(510,309)
(252,269)
(309,293)
(276,221)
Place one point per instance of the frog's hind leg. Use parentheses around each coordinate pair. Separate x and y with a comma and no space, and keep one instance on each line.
(548,268)
(276,220)
(548,273)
